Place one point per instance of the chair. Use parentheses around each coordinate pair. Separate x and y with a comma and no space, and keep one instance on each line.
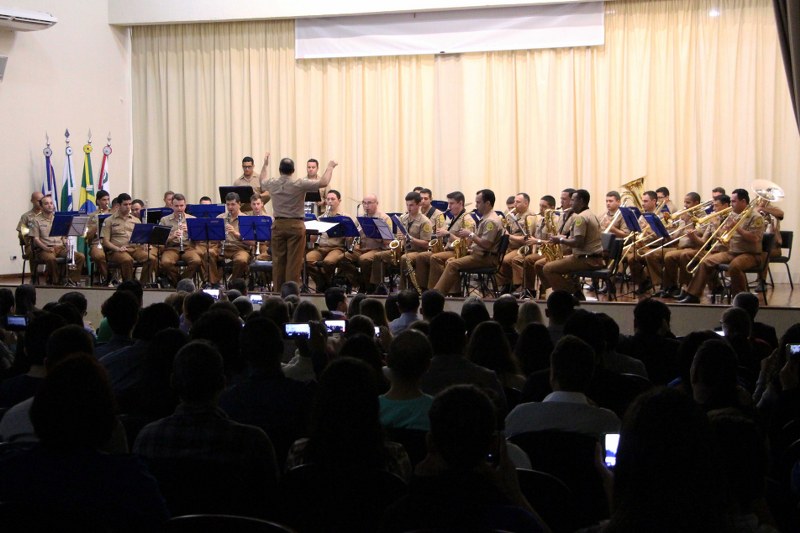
(786,242)
(760,283)
(220,522)
(413,440)
(612,246)
(317,499)
(486,276)
(571,458)
(258,270)
(551,498)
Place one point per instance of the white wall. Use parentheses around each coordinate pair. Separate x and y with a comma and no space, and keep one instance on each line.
(133,12)
(74,75)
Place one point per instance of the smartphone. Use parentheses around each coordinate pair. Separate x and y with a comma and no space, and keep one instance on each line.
(213,292)
(611,443)
(719,332)
(377,331)
(16,322)
(295,331)
(792,351)
(335,326)
(256,299)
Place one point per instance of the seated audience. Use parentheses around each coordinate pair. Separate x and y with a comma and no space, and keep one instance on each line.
(405,405)
(432,304)
(560,305)
(121,310)
(408,304)
(488,347)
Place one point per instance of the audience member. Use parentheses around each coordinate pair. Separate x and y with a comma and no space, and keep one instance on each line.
(529,312)
(505,312)
(275,309)
(652,341)
(405,405)
(25,299)
(238,284)
(474,312)
(432,304)
(222,327)
(390,305)
(686,350)
(737,328)
(361,345)
(488,347)
(749,302)
(186,285)
(78,300)
(194,306)
(354,307)
(713,374)
(613,360)
(533,348)
(244,307)
(560,305)
(290,288)
(374,309)
(121,310)
(408,304)
(336,303)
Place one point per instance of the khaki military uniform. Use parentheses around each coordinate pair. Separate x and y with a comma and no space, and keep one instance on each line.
(41,231)
(117,230)
(490,228)
(430,266)
(588,257)
(171,254)
(419,227)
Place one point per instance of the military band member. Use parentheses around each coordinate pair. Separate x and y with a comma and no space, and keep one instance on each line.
(517,224)
(312,173)
(329,250)
(48,249)
(437,218)
(250,179)
(117,230)
(564,223)
(431,265)
(96,252)
(168,196)
(136,209)
(585,242)
(633,257)
(365,253)
(524,265)
(485,244)
(261,251)
(657,260)
(742,252)
(419,229)
(179,240)
(612,221)
(662,197)
(233,248)
(26,223)
(288,229)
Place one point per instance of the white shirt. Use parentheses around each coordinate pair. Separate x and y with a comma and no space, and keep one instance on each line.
(562,411)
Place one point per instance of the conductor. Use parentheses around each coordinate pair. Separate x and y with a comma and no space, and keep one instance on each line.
(288,231)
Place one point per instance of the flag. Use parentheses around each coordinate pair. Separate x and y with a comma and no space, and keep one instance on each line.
(102,181)
(67,179)
(86,197)
(49,185)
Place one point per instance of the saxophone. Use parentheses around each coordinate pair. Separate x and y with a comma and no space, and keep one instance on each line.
(460,248)
(411,274)
(524,249)
(435,246)
(551,251)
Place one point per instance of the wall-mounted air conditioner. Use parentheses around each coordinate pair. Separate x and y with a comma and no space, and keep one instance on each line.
(24,20)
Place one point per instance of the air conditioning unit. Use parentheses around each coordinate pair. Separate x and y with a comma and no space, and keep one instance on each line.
(23,20)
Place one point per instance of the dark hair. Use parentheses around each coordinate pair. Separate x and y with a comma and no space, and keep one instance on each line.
(610,330)
(239,284)
(261,343)
(747,301)
(409,355)
(408,301)
(337,193)
(487,195)
(333,297)
(694,197)
(248,159)
(74,406)
(222,328)
(101,194)
(198,372)
(354,305)
(289,287)
(741,194)
(153,319)
(204,199)
(551,201)
(724,199)
(720,190)
(586,326)
(613,194)
(737,322)
(40,327)
(138,201)
(6,301)
(425,190)
(25,299)
(196,304)
(663,190)
(572,364)
(67,312)
(123,197)
(533,348)
(67,340)
(392,310)
(374,309)
(569,190)
(649,316)
(525,195)
(121,311)
(505,310)
(456,196)
(560,304)
(275,309)
(244,307)
(233,197)
(432,303)
(448,333)
(413,197)
(463,426)
(584,195)
(473,312)
(312,160)
(363,347)
(133,286)
(286,166)
(686,350)
(306,311)
(714,368)
(488,347)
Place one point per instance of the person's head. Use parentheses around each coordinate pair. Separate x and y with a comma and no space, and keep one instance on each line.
(566,198)
(533,348)
(168,197)
(40,328)
(6,301)
(587,326)
(662,194)
(609,329)
(408,301)
(333,199)
(336,299)
(47,205)
(529,312)
(306,311)
(75,299)
(362,346)
(374,309)
(65,311)
(455,202)
(649,201)
(198,374)
(572,364)
(136,208)
(134,287)
(740,198)
(238,284)
(717,191)
(185,285)
(613,201)
(74,406)
(36,197)
(474,312)
(102,198)
(488,347)
(409,356)
(115,204)
(178,204)
(290,287)
(312,168)
(65,341)
(580,200)
(666,477)
(25,299)
(560,305)
(354,305)
(244,306)
(510,202)
(370,204)
(360,325)
(736,322)
(425,195)
(448,333)
(686,350)
(257,204)
(232,203)
(390,305)
(222,327)
(153,319)
(205,200)
(721,202)
(248,165)
(432,303)
(522,202)
(651,317)
(463,427)
(505,311)
(195,305)
(691,199)
(261,344)
(275,309)
(413,203)
(713,375)
(484,201)
(747,301)
(546,202)
(286,167)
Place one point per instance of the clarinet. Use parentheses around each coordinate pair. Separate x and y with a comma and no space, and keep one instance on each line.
(180,238)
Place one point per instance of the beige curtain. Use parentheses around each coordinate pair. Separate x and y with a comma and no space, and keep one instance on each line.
(690,93)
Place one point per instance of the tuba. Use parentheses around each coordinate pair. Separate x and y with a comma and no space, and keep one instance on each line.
(631,194)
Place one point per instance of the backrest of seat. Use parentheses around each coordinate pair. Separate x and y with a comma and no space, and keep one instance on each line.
(615,253)
(786,241)
(504,240)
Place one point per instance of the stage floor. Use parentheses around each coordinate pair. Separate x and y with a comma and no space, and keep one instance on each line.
(783,309)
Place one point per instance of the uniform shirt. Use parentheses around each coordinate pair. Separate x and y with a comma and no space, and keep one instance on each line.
(491,228)
(288,194)
(117,229)
(564,228)
(27,220)
(419,227)
(464,221)
(334,242)
(253,182)
(91,225)
(374,244)
(41,229)
(585,224)
(172,222)
(230,241)
(437,218)
(619,223)
(754,223)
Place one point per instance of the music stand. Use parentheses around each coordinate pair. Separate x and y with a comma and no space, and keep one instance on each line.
(68,225)
(375,228)
(255,228)
(244,192)
(313,227)
(441,205)
(206,229)
(345,227)
(153,215)
(205,210)
(657,225)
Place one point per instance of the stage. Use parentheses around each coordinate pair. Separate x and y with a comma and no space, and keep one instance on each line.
(783,309)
